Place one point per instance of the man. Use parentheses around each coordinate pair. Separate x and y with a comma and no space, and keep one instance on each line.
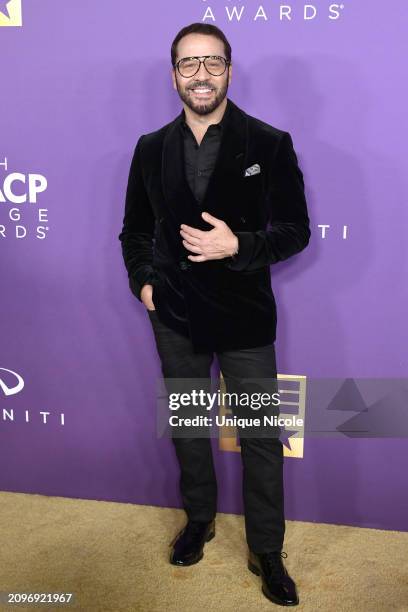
(213,198)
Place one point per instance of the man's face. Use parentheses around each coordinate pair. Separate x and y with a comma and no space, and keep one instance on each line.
(201,102)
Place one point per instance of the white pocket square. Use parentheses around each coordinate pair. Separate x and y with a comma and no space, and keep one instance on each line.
(255,169)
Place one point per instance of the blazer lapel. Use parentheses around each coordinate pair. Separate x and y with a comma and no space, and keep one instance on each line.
(226,184)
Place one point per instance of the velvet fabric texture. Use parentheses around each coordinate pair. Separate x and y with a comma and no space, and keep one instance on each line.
(230,302)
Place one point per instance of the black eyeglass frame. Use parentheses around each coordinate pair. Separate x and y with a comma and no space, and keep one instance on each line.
(201,61)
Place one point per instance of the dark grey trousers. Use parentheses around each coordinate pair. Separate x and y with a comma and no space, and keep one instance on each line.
(262,458)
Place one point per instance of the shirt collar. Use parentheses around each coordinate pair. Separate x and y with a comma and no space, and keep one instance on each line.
(221,125)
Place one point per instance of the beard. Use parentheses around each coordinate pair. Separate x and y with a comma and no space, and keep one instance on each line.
(202,107)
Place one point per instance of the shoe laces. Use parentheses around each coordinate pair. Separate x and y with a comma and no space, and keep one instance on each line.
(273,561)
(194,528)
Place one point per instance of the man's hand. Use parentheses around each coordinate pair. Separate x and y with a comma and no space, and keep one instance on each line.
(216,243)
(146,296)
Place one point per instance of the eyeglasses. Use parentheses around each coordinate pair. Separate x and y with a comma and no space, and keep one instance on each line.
(214,64)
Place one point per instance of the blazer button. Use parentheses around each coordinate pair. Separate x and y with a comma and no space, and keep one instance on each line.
(243,219)
(184,265)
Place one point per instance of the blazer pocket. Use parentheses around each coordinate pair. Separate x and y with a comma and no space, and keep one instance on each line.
(253,188)
(153,283)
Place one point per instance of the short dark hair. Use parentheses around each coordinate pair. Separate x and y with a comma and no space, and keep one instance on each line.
(200,28)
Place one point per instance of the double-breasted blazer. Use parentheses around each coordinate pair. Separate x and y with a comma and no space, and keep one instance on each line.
(229,302)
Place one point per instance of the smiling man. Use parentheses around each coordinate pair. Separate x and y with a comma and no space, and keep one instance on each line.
(213,199)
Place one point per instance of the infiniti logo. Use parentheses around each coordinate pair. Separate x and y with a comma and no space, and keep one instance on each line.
(11,390)
(8,415)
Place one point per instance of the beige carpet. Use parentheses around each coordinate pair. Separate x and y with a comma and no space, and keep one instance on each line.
(115,557)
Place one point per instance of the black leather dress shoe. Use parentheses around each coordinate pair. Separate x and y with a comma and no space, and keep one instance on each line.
(277,585)
(189,542)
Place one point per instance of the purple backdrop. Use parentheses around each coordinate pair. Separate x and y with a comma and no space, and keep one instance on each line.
(80,82)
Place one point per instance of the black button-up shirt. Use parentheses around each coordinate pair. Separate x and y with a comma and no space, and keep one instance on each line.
(199,162)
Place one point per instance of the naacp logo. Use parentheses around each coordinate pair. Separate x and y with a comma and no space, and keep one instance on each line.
(10,13)
(19,188)
(11,390)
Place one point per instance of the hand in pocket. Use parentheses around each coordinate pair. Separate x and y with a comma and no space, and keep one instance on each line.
(146,296)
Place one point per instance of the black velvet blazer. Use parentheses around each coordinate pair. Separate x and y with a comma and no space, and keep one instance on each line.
(230,303)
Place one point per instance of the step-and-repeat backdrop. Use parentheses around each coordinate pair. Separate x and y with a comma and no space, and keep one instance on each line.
(81,80)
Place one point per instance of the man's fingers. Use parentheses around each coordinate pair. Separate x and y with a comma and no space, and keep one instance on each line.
(197,257)
(192,247)
(190,237)
(192,231)
(210,219)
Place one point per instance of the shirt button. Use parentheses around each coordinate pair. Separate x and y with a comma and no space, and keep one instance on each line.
(184,265)
(199,172)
